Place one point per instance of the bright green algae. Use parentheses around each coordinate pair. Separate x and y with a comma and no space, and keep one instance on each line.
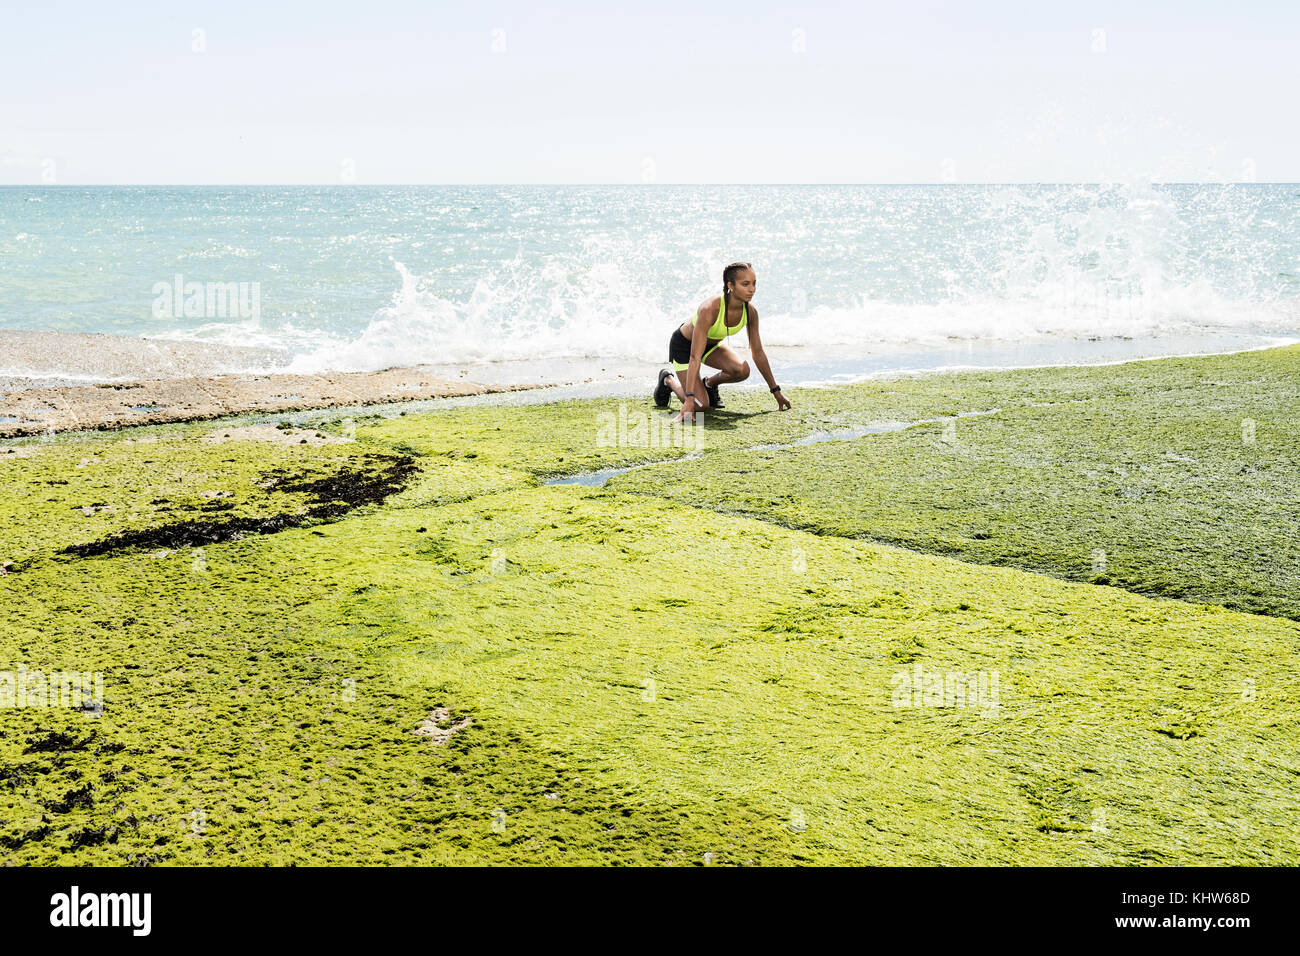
(74,491)
(260,703)
(1175,478)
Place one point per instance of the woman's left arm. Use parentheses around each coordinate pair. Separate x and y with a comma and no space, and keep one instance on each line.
(760,360)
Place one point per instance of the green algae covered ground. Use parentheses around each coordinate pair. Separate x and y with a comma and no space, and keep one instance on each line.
(1175,478)
(1011,638)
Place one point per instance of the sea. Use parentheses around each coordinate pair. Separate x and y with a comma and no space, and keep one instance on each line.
(590,281)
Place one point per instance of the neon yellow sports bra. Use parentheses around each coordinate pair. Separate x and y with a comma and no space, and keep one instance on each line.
(719,330)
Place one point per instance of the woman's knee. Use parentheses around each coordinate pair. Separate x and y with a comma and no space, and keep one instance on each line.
(743,372)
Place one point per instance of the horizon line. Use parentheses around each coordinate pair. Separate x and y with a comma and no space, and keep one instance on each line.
(1115,182)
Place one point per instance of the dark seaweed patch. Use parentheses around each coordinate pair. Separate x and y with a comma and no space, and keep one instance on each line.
(20,776)
(185,534)
(92,837)
(15,842)
(330,497)
(57,742)
(81,797)
(337,493)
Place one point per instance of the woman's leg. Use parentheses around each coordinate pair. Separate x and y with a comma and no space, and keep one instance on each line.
(731,367)
(674,382)
(679,350)
(677,382)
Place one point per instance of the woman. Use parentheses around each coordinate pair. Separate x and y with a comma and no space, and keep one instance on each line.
(700,340)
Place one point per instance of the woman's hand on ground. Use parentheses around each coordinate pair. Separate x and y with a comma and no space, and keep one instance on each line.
(696,405)
(782,403)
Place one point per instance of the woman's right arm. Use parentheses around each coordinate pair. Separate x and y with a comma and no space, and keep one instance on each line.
(699,341)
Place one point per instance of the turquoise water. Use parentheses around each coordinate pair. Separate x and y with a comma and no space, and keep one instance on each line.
(368,277)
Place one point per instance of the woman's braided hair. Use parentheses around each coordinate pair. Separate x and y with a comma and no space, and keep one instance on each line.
(729,274)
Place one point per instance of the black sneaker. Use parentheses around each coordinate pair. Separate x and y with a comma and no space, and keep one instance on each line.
(662,390)
(715,400)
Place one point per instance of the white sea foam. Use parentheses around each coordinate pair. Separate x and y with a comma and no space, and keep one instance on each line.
(592,320)
(359,280)
(513,317)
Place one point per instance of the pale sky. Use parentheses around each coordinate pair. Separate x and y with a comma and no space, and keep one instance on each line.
(390,91)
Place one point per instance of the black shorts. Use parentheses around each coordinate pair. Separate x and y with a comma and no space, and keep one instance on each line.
(679,350)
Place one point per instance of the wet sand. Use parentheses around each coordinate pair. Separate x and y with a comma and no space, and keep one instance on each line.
(35,411)
(109,381)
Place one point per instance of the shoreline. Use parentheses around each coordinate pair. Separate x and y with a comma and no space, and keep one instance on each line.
(112,406)
(77,394)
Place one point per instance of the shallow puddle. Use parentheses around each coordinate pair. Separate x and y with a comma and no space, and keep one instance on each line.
(597,479)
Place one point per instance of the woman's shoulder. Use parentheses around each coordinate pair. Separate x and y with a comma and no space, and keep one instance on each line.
(708,309)
(711,305)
